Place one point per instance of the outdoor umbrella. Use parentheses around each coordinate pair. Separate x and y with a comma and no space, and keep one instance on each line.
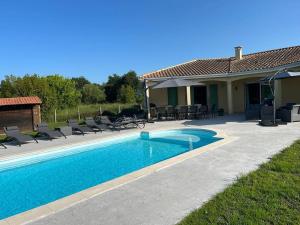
(277,76)
(280,75)
(175,82)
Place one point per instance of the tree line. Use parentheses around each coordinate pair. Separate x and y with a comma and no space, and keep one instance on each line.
(59,92)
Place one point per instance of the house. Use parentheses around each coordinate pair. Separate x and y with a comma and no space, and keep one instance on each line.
(230,83)
(23,112)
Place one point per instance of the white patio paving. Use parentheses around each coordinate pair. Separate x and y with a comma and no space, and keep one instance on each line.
(166,196)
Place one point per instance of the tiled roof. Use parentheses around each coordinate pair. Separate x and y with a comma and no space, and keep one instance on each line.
(249,62)
(32,100)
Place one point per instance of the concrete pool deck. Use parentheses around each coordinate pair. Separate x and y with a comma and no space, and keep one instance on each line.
(167,195)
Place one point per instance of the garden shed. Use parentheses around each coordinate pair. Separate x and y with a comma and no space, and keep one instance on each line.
(23,112)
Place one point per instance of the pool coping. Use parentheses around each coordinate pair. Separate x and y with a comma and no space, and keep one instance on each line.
(76,198)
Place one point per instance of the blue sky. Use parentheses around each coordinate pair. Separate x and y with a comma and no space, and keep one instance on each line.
(97,38)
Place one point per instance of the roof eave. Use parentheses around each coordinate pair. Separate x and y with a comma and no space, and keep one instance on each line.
(233,74)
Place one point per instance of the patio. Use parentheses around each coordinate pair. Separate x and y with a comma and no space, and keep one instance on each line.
(167,195)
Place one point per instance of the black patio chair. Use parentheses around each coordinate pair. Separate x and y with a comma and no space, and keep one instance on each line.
(203,112)
(183,112)
(44,130)
(13,133)
(90,122)
(161,112)
(82,129)
(171,112)
(193,111)
(213,111)
(153,113)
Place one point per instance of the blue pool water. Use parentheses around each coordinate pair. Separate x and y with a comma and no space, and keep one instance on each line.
(31,182)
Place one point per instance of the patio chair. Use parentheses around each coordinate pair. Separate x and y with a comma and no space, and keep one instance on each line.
(183,112)
(213,110)
(3,145)
(90,122)
(82,129)
(44,130)
(13,133)
(203,112)
(153,113)
(161,112)
(171,112)
(193,110)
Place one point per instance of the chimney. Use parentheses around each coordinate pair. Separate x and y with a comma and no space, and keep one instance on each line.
(238,52)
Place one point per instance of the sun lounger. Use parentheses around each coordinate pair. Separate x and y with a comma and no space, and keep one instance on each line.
(123,122)
(44,130)
(78,128)
(90,122)
(13,133)
(3,145)
(107,122)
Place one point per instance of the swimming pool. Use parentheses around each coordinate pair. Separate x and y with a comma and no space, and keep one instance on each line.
(29,182)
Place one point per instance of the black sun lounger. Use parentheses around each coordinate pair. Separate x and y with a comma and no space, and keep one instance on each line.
(44,130)
(13,133)
(123,122)
(78,128)
(90,122)
(3,145)
(107,122)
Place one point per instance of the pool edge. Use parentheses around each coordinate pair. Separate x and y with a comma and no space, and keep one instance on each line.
(71,200)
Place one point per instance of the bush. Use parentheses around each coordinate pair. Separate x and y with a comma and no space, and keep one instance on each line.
(127,94)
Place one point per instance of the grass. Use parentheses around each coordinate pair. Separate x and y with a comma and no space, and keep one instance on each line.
(269,195)
(86,110)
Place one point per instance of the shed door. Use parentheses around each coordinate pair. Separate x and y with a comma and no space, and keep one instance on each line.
(16,116)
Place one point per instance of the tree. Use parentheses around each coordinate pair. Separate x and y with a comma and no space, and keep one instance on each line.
(80,82)
(130,78)
(92,93)
(64,90)
(112,87)
(127,94)
(29,85)
(7,88)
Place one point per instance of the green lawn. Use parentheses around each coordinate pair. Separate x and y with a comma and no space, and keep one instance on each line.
(269,195)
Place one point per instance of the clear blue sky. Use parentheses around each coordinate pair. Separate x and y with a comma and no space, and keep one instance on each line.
(97,38)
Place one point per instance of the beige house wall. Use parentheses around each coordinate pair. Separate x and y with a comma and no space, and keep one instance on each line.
(238,92)
(181,91)
(222,96)
(290,88)
(158,96)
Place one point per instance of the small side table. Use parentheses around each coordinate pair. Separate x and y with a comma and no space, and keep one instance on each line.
(67,131)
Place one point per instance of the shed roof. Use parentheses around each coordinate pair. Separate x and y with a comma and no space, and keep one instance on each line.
(31,100)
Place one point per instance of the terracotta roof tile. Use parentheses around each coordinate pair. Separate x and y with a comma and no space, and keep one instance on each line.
(31,100)
(249,62)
